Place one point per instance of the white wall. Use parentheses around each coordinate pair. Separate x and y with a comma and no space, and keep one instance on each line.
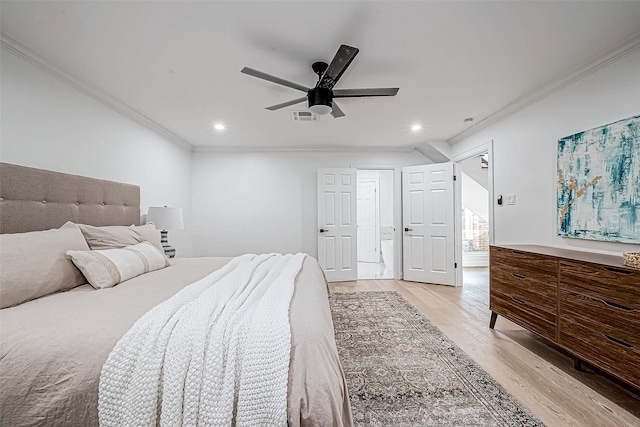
(267,201)
(45,123)
(474,170)
(525,152)
(475,197)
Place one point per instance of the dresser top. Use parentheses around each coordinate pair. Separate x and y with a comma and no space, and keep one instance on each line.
(569,254)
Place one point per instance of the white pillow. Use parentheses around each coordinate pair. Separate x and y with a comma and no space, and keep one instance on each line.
(108,267)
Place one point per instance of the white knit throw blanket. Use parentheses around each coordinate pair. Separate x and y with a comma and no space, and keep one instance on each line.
(215,354)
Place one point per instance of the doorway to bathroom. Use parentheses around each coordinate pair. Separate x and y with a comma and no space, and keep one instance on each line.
(375,218)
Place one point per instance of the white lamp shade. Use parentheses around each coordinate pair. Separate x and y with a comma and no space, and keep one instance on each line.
(165,218)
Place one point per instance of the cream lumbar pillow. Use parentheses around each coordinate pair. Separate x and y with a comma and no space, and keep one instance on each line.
(108,267)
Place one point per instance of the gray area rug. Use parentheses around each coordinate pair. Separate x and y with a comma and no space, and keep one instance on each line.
(402,371)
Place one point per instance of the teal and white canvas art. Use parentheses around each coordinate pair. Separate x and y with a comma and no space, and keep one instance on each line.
(599,183)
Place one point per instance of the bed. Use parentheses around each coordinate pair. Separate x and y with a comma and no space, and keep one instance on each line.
(53,346)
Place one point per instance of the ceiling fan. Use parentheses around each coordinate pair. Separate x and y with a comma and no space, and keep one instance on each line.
(321,97)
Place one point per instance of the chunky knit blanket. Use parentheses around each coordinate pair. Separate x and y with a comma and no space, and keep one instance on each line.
(215,354)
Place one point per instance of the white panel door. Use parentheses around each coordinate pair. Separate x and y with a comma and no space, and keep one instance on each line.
(337,223)
(429,241)
(368,213)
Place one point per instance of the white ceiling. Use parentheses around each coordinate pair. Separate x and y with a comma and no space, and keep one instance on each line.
(178,63)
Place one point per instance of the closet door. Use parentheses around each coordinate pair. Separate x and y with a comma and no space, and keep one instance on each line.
(368,207)
(337,223)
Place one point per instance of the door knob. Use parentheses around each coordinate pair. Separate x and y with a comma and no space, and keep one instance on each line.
(408,229)
(322,230)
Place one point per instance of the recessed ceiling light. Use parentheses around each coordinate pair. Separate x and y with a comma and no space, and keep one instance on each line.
(416,128)
(218,126)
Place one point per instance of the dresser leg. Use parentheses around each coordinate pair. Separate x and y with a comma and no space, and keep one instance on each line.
(492,322)
(577,364)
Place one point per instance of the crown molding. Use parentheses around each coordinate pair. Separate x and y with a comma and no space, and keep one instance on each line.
(20,50)
(627,47)
(312,149)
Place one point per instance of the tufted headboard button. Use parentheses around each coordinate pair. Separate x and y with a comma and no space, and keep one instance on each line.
(44,202)
(102,203)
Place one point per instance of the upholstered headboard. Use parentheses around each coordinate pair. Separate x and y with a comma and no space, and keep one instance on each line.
(36,199)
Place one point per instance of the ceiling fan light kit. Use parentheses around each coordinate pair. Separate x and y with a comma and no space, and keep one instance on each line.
(320,109)
(320,97)
(320,101)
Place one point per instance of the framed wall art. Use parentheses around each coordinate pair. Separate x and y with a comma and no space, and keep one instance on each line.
(599,183)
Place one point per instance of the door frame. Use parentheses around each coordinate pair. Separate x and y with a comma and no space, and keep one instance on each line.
(472,152)
(397,212)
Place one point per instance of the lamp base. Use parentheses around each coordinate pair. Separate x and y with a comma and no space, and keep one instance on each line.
(169,250)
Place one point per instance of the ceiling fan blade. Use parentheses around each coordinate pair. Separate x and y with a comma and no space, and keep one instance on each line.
(340,62)
(336,111)
(274,79)
(286,104)
(354,93)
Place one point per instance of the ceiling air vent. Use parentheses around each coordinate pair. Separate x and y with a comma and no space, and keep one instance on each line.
(303,116)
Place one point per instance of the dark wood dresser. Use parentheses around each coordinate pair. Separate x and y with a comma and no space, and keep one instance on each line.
(586,303)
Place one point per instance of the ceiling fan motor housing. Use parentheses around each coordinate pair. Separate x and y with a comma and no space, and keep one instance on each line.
(320,96)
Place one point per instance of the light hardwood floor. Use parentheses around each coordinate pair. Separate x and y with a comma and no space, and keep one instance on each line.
(536,373)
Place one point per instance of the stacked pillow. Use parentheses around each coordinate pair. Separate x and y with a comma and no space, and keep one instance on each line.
(39,263)
(35,264)
(117,236)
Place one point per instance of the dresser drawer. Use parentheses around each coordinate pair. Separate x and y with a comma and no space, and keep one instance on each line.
(525,287)
(523,273)
(525,261)
(614,351)
(525,314)
(580,306)
(612,284)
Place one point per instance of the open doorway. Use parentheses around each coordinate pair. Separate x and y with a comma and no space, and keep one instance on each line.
(475,211)
(477,191)
(375,217)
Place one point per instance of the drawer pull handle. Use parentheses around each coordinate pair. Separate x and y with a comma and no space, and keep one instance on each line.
(518,300)
(518,276)
(618,306)
(518,252)
(617,341)
(617,270)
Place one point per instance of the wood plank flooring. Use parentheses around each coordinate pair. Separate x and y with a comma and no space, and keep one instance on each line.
(539,375)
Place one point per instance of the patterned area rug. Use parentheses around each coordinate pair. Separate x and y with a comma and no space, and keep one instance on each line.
(402,371)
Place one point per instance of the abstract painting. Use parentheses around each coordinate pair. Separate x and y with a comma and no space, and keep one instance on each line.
(599,183)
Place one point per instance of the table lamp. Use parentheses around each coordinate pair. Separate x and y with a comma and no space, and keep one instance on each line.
(165,218)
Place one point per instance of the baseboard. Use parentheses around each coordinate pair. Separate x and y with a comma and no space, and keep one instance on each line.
(475,259)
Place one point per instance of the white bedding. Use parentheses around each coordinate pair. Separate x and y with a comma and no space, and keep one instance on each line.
(215,354)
